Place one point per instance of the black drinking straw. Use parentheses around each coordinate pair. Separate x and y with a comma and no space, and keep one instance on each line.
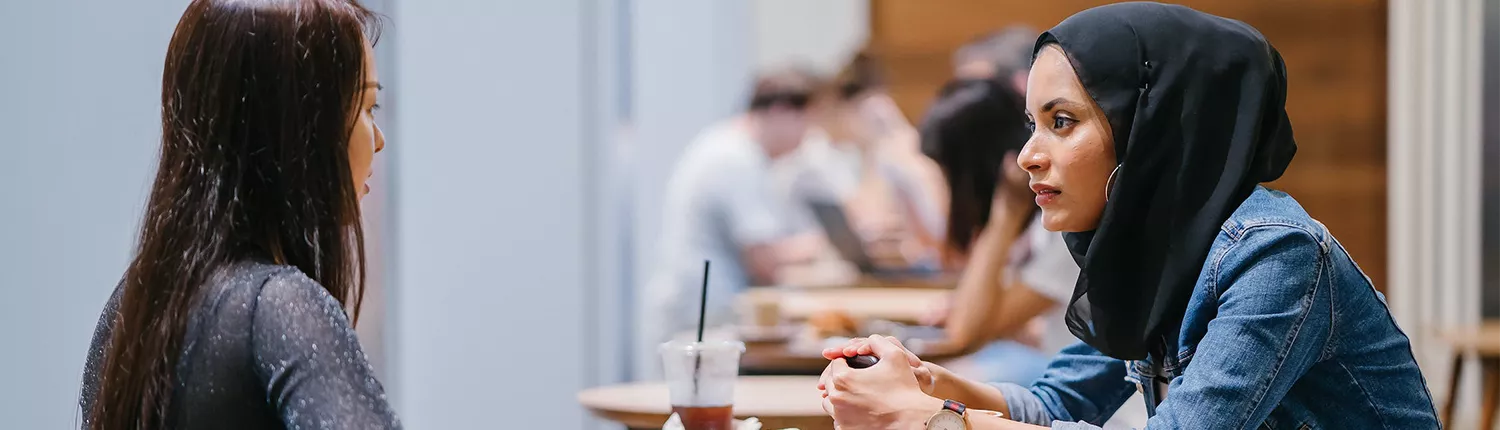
(703,302)
(702,311)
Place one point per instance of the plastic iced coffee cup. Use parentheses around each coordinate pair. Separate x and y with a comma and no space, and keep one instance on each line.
(700,381)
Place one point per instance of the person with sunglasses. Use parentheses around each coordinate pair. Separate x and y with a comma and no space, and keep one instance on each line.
(719,206)
(865,157)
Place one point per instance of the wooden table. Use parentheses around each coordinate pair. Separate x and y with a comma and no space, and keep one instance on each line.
(779,358)
(778,401)
(934,282)
(844,275)
(905,305)
(1483,340)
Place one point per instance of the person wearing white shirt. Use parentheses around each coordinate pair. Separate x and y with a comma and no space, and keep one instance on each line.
(719,207)
(864,155)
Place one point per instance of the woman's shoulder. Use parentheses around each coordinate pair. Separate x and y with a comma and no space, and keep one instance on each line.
(1265,243)
(258,284)
(282,299)
(1270,215)
(1270,230)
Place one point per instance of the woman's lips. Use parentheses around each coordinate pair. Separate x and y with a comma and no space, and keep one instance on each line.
(1045,194)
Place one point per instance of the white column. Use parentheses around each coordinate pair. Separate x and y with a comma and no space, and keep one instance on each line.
(1435,168)
(821,34)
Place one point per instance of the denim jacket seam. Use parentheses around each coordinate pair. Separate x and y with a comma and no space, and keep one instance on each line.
(1185,357)
(1236,231)
(1319,236)
(1379,414)
(1330,346)
(1390,318)
(1232,228)
(1213,276)
(1283,353)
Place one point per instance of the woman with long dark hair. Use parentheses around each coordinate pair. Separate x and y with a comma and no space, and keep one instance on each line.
(1221,301)
(232,313)
(1014,271)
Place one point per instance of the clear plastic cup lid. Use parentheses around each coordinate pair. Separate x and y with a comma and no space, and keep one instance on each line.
(708,346)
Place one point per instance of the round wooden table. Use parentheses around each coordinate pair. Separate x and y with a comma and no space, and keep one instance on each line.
(778,401)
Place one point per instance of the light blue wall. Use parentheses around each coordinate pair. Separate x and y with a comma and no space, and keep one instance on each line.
(79,96)
(493,154)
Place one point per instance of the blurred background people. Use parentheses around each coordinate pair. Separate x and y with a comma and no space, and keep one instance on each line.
(1003,55)
(1013,270)
(720,207)
(863,156)
(1014,274)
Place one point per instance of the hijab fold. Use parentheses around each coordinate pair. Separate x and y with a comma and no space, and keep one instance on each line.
(1196,106)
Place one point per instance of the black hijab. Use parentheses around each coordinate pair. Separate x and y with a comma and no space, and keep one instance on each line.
(1196,104)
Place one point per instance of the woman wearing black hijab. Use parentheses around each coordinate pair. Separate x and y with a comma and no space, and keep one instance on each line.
(1220,300)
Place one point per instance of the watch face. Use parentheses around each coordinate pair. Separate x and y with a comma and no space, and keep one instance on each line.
(947,420)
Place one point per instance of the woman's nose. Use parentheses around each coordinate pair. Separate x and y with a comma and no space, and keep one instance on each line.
(1031,159)
(379,138)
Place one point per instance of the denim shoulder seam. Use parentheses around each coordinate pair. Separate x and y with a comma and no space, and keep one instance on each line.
(1239,230)
(1281,354)
(1319,237)
(1330,346)
(1213,274)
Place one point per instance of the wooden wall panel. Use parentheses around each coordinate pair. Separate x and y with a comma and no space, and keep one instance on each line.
(1335,52)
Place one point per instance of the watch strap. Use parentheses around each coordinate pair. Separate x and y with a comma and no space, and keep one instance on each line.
(955,406)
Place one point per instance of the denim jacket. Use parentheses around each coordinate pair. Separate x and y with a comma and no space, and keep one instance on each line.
(1283,331)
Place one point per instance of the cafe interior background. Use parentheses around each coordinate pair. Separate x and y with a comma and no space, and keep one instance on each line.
(518,202)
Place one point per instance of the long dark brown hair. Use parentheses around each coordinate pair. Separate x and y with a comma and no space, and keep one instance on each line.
(258,102)
(968,131)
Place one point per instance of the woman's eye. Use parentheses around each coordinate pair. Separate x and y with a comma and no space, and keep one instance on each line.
(1030,125)
(1060,122)
(374,107)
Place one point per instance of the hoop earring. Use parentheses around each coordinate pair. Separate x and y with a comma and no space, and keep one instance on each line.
(1109,184)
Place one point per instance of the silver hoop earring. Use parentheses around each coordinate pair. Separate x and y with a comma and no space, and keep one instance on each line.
(1109,184)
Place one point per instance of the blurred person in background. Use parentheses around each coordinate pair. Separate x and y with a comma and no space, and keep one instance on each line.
(232,311)
(1015,271)
(968,131)
(720,207)
(1222,301)
(864,156)
(1003,55)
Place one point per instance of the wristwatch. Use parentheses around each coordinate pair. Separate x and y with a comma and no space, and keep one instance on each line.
(951,417)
